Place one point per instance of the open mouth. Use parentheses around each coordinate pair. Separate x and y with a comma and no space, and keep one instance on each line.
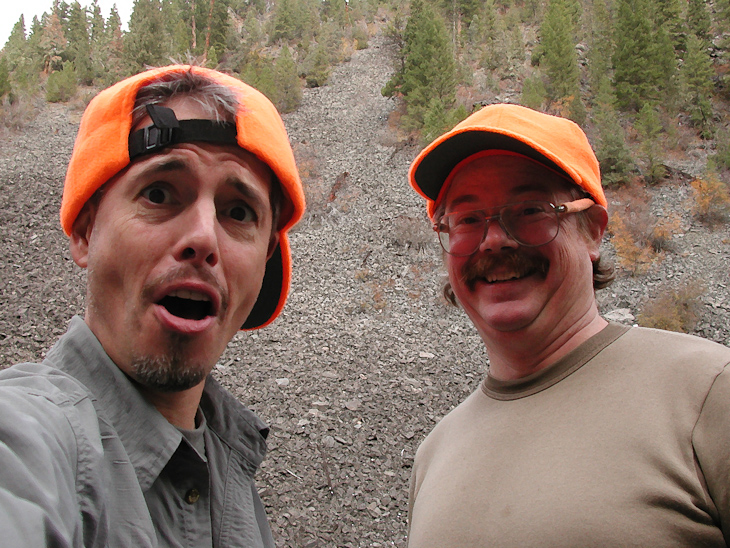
(190,305)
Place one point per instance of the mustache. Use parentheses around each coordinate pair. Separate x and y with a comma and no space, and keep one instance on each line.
(187,272)
(515,261)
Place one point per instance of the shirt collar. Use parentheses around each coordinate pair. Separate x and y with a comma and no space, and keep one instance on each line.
(148,438)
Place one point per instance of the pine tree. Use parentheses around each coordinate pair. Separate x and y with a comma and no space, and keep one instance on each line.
(79,47)
(53,44)
(697,73)
(698,19)
(600,46)
(534,93)
(15,46)
(559,56)
(643,60)
(26,73)
(5,87)
(669,16)
(144,43)
(112,47)
(286,82)
(650,129)
(318,66)
(429,66)
(612,151)
(285,25)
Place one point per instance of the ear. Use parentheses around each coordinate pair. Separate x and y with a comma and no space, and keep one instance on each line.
(273,242)
(598,220)
(81,234)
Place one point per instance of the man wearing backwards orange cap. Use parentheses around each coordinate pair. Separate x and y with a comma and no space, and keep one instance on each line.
(178,197)
(584,432)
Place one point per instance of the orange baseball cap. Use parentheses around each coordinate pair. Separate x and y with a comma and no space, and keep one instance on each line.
(102,149)
(555,142)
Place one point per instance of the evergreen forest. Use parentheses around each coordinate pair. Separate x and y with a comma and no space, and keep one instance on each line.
(645,78)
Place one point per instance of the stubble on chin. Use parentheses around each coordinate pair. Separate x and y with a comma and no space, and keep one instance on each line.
(171,371)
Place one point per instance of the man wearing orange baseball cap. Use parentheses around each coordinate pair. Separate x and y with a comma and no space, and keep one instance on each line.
(583,432)
(178,198)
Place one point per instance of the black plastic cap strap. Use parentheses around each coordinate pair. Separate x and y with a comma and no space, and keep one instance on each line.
(167,130)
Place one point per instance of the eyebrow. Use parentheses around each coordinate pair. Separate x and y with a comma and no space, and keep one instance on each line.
(164,167)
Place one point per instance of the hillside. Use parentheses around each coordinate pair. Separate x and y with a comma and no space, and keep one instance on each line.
(367,356)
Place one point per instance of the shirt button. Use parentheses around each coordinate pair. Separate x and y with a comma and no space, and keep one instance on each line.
(192,496)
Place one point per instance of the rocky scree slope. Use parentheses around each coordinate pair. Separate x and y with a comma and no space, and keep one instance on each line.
(367,356)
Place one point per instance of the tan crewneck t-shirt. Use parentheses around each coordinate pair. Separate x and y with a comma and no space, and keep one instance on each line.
(623,442)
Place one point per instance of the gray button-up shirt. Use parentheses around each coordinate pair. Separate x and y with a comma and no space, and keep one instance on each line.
(85,460)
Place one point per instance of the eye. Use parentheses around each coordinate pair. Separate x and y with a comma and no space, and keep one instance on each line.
(466,219)
(157,194)
(529,209)
(242,213)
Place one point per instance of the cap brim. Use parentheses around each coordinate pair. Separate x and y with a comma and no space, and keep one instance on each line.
(274,288)
(436,164)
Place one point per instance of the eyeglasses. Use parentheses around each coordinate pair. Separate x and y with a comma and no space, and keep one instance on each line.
(530,224)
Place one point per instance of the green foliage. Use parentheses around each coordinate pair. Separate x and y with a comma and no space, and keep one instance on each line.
(699,21)
(643,59)
(259,73)
(429,67)
(721,158)
(668,16)
(360,35)
(697,73)
(600,46)
(318,71)
(288,89)
(15,47)
(558,49)
(292,20)
(534,93)
(143,44)
(5,87)
(439,118)
(79,46)
(612,151)
(649,128)
(62,85)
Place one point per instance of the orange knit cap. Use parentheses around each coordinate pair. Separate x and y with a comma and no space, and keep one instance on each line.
(101,151)
(554,142)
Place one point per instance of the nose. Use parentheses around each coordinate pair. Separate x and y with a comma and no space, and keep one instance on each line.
(496,237)
(198,244)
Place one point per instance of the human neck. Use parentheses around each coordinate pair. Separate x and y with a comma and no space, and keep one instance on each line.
(179,408)
(517,354)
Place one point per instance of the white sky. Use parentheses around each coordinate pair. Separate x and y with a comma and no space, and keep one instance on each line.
(10,11)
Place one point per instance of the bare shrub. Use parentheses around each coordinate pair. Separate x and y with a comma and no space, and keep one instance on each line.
(633,256)
(675,309)
(663,231)
(638,237)
(17,114)
(411,232)
(711,200)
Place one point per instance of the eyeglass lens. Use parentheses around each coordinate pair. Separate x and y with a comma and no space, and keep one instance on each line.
(528,223)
